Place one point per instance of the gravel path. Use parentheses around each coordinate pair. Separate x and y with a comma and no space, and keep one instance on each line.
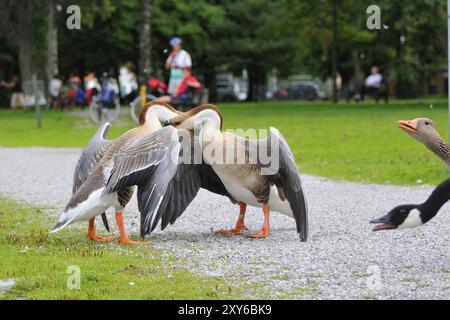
(342,258)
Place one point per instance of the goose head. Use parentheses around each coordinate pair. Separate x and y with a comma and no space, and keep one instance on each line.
(157,113)
(401,217)
(205,113)
(421,129)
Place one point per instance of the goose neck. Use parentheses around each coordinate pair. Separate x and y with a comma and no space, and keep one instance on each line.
(441,149)
(435,201)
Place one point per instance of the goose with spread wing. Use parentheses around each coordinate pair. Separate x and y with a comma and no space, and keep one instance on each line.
(273,184)
(99,162)
(89,158)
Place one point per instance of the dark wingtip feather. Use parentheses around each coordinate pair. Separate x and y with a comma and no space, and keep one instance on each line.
(105,221)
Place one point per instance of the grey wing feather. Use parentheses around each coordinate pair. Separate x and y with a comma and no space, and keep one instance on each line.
(89,158)
(288,179)
(148,163)
(184,186)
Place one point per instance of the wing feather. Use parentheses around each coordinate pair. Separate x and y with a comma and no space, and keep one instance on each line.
(287,178)
(185,185)
(89,158)
(147,163)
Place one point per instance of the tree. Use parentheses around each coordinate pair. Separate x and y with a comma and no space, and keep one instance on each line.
(108,37)
(52,38)
(259,40)
(202,26)
(145,47)
(402,47)
(26,30)
(334,50)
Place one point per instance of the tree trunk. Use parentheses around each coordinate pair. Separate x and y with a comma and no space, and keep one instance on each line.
(211,84)
(256,85)
(25,42)
(145,46)
(25,59)
(357,74)
(52,38)
(334,52)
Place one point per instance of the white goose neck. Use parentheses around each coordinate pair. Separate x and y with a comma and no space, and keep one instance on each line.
(208,124)
(157,114)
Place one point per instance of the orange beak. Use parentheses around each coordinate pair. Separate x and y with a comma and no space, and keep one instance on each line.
(410,127)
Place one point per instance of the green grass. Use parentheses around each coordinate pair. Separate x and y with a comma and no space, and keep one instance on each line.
(38,262)
(358,142)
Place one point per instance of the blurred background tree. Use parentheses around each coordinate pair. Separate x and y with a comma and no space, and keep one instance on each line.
(281,37)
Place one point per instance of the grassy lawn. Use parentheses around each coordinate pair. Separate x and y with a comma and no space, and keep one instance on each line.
(39,263)
(358,142)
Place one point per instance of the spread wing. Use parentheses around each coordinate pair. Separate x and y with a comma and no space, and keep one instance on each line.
(150,163)
(286,178)
(89,158)
(184,186)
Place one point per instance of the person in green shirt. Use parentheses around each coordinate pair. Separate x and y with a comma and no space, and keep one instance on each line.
(178,60)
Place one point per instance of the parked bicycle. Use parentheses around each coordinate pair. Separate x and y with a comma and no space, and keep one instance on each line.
(105,104)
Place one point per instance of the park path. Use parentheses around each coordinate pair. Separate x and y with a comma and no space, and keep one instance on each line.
(342,258)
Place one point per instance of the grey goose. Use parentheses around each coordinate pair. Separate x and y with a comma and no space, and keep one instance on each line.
(280,190)
(99,161)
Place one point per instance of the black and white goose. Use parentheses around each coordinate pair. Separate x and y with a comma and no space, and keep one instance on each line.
(100,168)
(273,184)
(412,215)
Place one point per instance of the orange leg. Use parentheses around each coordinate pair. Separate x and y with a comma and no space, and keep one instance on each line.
(123,234)
(240,226)
(93,236)
(266,226)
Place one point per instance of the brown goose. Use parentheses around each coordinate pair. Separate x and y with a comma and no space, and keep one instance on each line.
(99,164)
(424,130)
(191,174)
(272,185)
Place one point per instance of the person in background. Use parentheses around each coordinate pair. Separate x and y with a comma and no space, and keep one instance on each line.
(54,90)
(373,83)
(157,87)
(178,60)
(73,94)
(128,82)
(17,95)
(188,87)
(92,86)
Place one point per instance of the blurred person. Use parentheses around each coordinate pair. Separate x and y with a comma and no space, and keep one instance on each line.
(74,79)
(373,83)
(189,86)
(109,90)
(17,95)
(157,87)
(73,94)
(178,60)
(54,90)
(80,98)
(92,86)
(128,82)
